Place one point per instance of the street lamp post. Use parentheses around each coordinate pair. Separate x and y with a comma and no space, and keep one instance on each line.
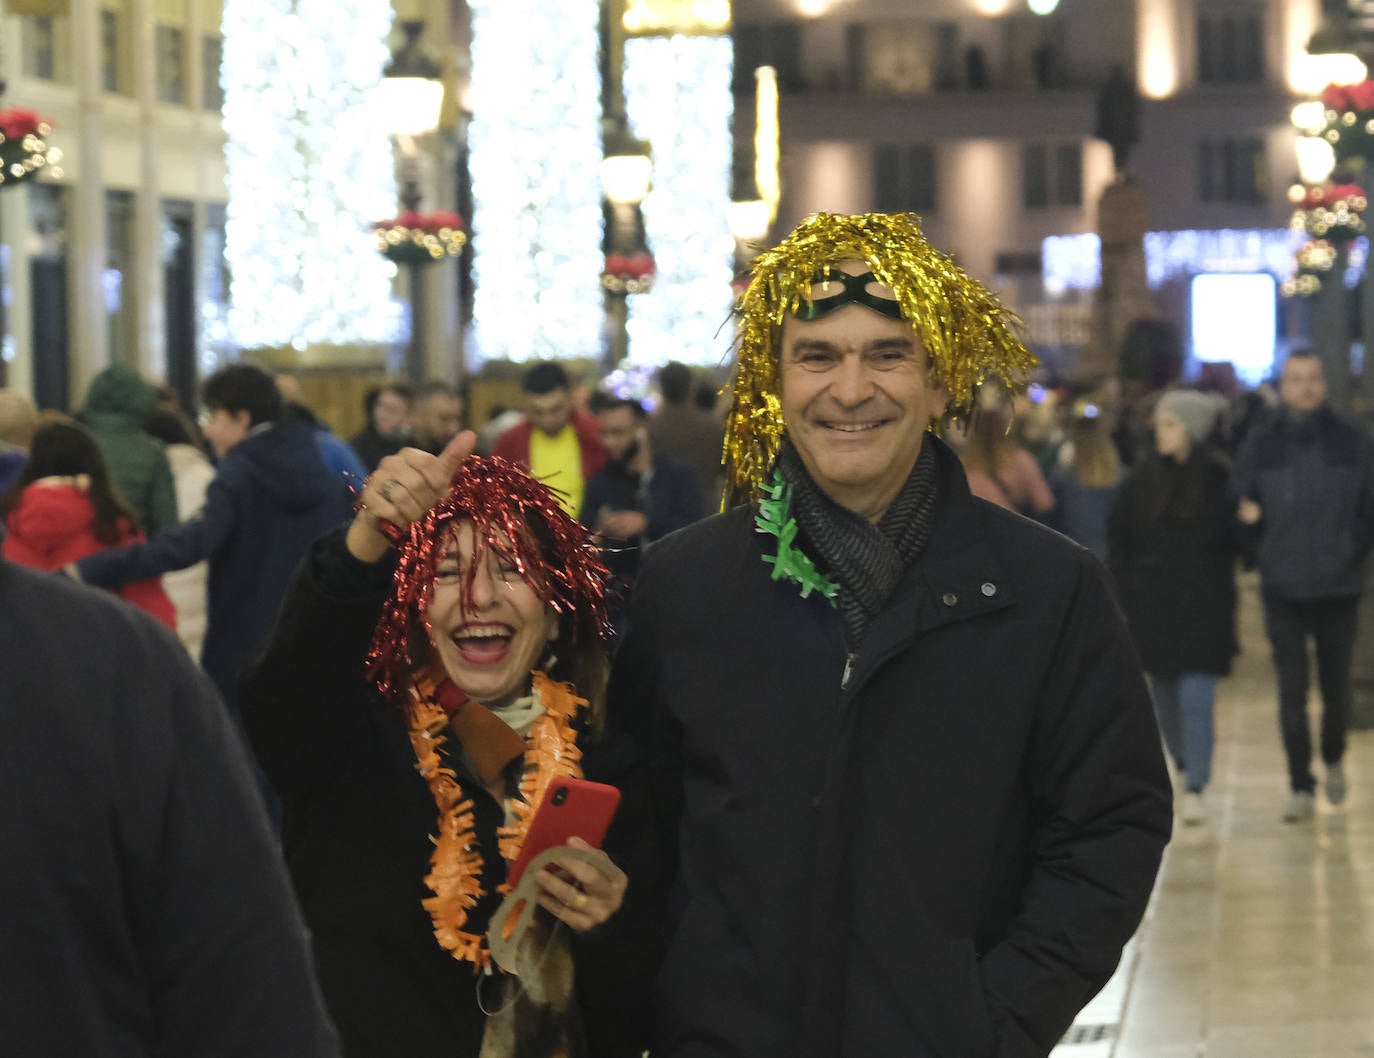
(625,175)
(412,98)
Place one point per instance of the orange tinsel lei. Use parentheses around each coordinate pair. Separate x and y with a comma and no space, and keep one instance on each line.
(455,875)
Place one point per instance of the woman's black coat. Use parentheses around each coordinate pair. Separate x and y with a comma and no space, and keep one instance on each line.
(356,832)
(1172,540)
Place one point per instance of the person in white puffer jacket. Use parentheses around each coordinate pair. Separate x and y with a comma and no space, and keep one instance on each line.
(192,473)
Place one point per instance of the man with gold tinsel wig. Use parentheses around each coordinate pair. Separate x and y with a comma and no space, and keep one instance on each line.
(900,740)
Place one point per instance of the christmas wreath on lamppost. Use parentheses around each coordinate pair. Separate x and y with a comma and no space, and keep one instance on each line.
(628,274)
(1333,212)
(1315,259)
(420,238)
(24,148)
(1349,119)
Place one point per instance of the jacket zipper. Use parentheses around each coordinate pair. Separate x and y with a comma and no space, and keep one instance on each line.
(848,671)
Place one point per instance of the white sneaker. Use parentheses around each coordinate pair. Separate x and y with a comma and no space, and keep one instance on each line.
(1192,810)
(1303,806)
(1335,783)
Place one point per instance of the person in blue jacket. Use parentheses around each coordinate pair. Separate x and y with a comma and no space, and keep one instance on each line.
(271,499)
(640,495)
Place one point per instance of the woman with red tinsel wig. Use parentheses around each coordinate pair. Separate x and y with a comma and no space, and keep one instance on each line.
(433,669)
(64,505)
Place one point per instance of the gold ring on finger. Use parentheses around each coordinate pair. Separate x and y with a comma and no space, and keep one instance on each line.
(579,901)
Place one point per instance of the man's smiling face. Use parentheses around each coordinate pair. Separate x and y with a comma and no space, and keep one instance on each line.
(857,397)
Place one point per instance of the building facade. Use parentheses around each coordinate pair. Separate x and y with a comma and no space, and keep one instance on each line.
(120,259)
(981,116)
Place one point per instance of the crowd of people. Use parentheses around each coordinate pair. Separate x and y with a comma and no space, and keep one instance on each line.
(947,635)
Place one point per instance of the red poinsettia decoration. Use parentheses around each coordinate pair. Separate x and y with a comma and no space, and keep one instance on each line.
(430,223)
(1328,196)
(1345,97)
(18,122)
(640,266)
(420,238)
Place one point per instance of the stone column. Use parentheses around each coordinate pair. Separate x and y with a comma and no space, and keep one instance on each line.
(1123,295)
(149,284)
(90,345)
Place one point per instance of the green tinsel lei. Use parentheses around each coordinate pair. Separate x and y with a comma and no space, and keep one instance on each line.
(775,519)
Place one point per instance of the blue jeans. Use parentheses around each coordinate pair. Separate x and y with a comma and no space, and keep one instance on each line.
(1183,705)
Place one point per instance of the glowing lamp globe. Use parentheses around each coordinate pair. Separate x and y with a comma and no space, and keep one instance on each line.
(750,220)
(1316,159)
(625,178)
(411,104)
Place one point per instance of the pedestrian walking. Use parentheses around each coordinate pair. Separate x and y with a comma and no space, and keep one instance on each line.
(1172,534)
(1305,479)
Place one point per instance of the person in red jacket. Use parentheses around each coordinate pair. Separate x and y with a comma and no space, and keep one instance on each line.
(64,506)
(560,443)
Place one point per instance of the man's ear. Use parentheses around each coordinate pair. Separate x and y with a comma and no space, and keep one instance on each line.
(939,405)
(243,418)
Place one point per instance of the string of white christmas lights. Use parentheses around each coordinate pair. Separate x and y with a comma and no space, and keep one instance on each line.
(309,168)
(535,144)
(678,98)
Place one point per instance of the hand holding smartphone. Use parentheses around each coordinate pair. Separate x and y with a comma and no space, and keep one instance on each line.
(571,808)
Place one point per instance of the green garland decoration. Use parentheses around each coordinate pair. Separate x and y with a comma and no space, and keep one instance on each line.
(775,519)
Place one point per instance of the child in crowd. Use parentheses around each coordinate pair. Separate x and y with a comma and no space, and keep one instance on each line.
(64,506)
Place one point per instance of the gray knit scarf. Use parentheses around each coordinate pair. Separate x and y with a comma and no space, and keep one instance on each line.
(866,560)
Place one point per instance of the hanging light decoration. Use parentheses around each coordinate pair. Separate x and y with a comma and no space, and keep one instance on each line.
(24,148)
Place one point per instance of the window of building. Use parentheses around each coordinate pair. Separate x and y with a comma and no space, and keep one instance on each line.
(1232,170)
(905,57)
(45,47)
(212,56)
(118,277)
(775,44)
(1052,175)
(39,36)
(171,65)
(904,178)
(1230,45)
(112,71)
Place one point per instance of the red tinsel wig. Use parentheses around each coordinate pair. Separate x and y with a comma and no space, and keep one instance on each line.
(515,515)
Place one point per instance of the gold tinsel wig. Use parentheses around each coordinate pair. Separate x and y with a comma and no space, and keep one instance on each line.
(966,333)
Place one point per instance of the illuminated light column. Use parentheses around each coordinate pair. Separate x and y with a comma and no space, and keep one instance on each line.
(678,97)
(1158,48)
(308,169)
(766,151)
(535,143)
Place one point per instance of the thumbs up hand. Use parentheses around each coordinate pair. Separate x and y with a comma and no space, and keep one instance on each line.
(402,490)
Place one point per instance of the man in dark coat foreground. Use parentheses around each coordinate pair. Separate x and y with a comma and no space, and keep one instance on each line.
(144,909)
(902,746)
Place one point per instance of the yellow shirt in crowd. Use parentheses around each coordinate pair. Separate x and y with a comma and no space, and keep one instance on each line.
(557,462)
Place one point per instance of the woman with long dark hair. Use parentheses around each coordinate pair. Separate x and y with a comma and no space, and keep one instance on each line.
(434,669)
(64,506)
(1172,545)
(1086,478)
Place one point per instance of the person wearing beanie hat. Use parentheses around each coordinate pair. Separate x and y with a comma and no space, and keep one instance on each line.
(1198,412)
(1172,549)
(880,713)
